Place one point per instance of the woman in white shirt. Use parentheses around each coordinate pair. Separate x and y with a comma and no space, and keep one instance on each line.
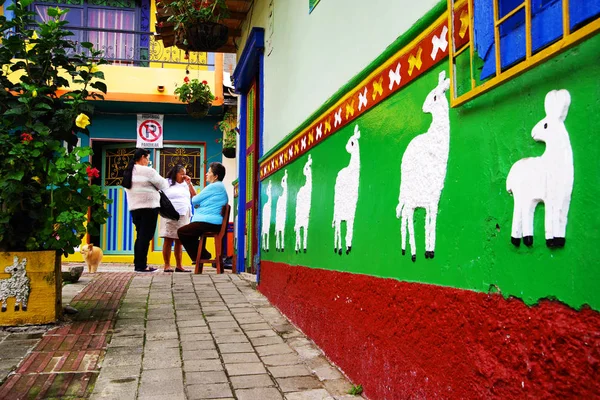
(180,191)
(142,184)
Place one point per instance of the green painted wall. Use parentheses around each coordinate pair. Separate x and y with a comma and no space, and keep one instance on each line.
(473,249)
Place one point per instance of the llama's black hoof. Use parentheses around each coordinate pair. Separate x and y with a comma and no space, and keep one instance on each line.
(3,309)
(305,250)
(340,252)
(550,243)
(24,308)
(16,307)
(429,254)
(335,250)
(528,241)
(296,251)
(414,258)
(348,250)
(282,249)
(515,241)
(559,242)
(426,254)
(403,252)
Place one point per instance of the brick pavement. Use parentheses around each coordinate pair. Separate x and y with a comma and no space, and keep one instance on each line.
(65,362)
(173,336)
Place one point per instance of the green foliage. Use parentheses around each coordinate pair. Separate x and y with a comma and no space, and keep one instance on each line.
(356,390)
(186,12)
(45,190)
(194,91)
(228,125)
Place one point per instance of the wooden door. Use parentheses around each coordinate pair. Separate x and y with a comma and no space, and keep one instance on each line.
(251,236)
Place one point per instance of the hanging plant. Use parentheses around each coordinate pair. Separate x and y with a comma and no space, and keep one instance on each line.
(228,126)
(197,24)
(198,96)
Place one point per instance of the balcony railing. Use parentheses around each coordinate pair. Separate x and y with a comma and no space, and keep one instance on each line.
(135,48)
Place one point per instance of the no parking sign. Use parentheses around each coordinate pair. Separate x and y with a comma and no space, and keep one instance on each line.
(150,130)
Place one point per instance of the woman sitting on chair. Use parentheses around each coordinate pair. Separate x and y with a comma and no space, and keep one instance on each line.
(207,212)
(179,192)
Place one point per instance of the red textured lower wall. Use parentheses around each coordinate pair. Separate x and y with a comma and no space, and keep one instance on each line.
(408,340)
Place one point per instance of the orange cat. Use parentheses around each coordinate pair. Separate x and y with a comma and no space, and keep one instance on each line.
(92,256)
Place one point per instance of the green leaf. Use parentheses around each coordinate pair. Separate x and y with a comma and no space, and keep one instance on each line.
(52,12)
(86,45)
(14,175)
(101,86)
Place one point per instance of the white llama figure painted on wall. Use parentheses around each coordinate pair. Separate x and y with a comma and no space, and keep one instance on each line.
(266,220)
(346,195)
(423,170)
(280,214)
(303,201)
(16,286)
(547,179)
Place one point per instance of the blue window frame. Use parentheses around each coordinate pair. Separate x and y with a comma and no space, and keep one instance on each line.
(546,28)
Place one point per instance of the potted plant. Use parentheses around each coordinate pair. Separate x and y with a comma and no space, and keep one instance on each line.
(45,180)
(196,23)
(228,125)
(198,96)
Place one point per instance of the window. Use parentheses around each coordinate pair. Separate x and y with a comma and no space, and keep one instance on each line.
(105,23)
(519,33)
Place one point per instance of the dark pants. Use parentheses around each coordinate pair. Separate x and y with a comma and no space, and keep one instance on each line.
(144,220)
(190,234)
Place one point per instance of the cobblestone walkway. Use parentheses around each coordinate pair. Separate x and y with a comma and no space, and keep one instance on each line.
(65,362)
(171,336)
(184,336)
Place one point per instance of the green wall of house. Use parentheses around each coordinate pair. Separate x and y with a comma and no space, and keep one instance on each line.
(473,247)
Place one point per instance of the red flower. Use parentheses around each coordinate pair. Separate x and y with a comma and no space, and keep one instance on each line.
(92,172)
(186,79)
(216,98)
(26,137)
(160,24)
(206,83)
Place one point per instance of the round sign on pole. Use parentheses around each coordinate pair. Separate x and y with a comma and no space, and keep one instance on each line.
(150,130)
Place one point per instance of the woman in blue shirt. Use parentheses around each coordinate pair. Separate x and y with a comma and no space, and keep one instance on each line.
(207,212)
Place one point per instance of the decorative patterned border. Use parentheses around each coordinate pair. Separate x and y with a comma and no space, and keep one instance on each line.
(424,52)
(236,189)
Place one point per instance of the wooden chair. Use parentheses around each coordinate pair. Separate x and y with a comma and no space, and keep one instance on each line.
(218,236)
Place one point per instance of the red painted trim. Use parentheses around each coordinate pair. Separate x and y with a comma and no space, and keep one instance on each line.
(409,340)
(411,62)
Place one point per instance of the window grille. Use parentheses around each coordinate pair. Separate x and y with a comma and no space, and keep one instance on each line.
(508,37)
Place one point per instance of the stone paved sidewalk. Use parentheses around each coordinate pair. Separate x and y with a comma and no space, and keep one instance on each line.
(184,336)
(173,336)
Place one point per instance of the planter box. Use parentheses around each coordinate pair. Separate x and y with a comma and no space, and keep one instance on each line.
(30,288)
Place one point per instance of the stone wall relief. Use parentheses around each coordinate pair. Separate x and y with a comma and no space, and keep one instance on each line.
(266,219)
(280,214)
(346,195)
(547,179)
(423,170)
(16,286)
(303,203)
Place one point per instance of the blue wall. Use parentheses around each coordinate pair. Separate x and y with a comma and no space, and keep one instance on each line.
(177,127)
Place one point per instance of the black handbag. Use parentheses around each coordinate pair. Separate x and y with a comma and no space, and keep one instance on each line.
(166,208)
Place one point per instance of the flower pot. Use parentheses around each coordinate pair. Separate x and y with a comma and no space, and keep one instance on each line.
(197,110)
(30,281)
(203,36)
(229,152)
